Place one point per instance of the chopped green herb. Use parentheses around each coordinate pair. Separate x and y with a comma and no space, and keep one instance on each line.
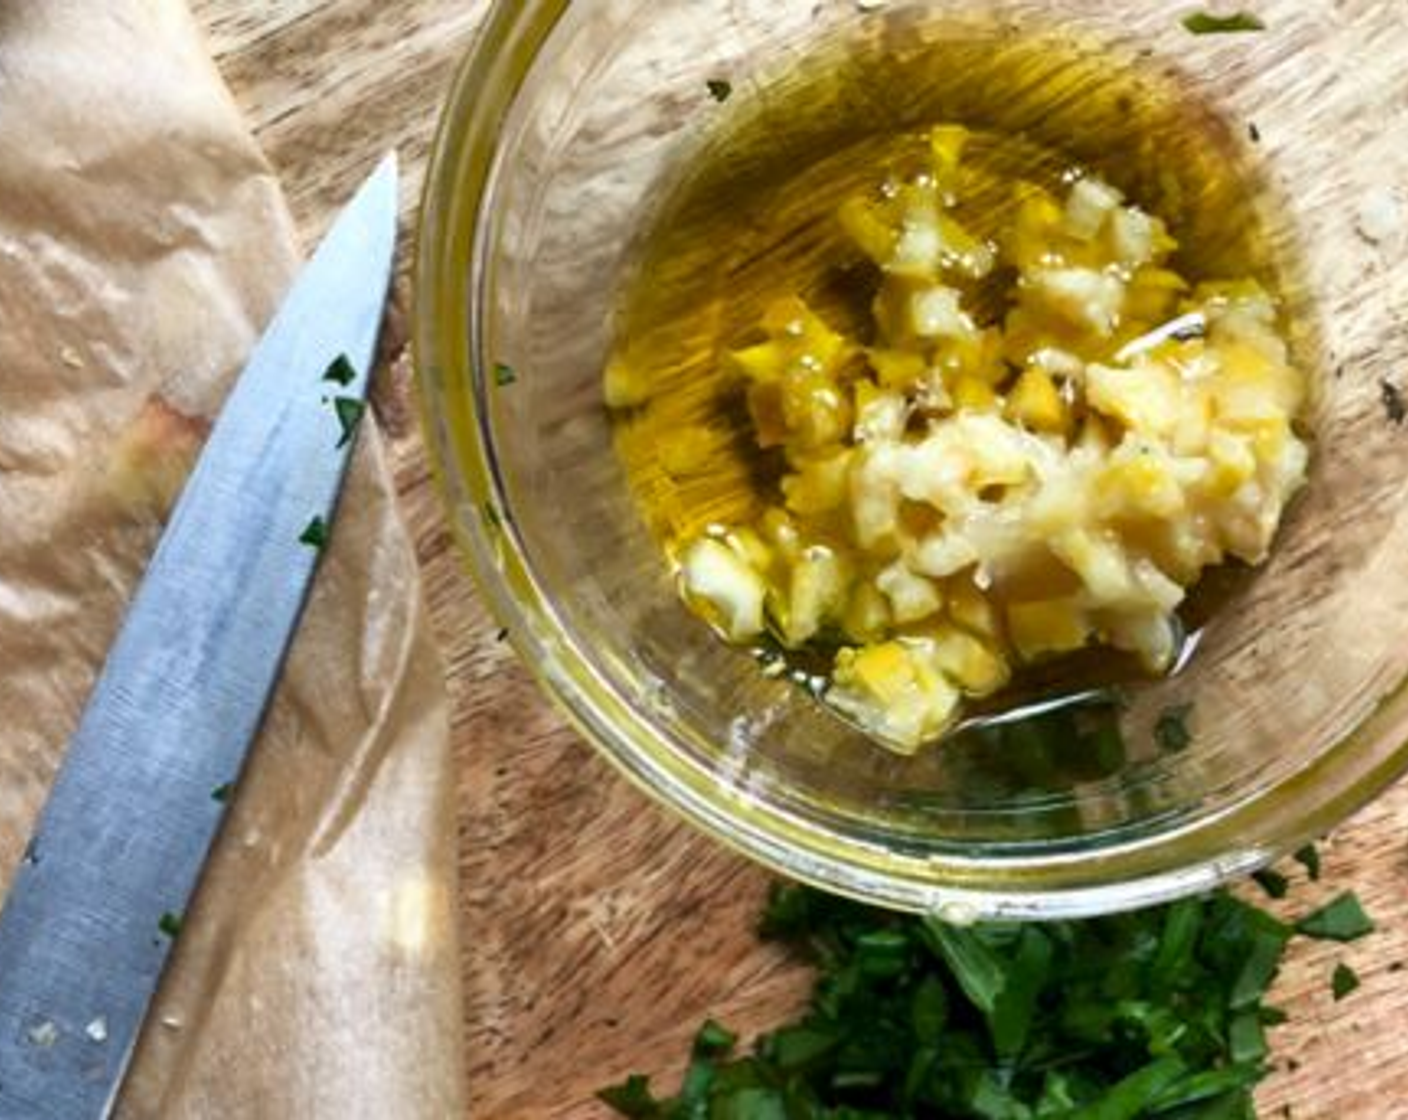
(1309,858)
(316,534)
(504,374)
(1272,882)
(720,90)
(713,1040)
(632,1098)
(341,371)
(1254,132)
(1343,981)
(492,516)
(1171,731)
(1153,1014)
(1341,919)
(976,968)
(1394,406)
(222,793)
(350,411)
(1014,1011)
(1247,1038)
(1262,941)
(170,925)
(1205,23)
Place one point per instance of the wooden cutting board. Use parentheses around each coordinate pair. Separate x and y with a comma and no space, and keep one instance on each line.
(598,932)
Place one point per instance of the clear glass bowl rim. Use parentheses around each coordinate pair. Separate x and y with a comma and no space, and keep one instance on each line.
(453,377)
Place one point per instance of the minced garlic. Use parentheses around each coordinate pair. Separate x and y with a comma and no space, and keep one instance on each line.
(964,497)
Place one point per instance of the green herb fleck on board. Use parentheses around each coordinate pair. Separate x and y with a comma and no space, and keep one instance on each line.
(1309,858)
(1341,919)
(1343,981)
(341,371)
(720,90)
(1272,882)
(350,411)
(315,535)
(504,374)
(221,793)
(170,925)
(1205,23)
(1171,731)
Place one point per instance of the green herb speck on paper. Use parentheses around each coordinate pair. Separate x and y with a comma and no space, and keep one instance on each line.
(1171,731)
(341,372)
(1205,23)
(350,411)
(1309,858)
(504,374)
(315,535)
(170,925)
(1395,408)
(221,793)
(1341,919)
(1343,981)
(719,89)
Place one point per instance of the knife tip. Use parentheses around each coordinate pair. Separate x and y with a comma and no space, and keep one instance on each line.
(390,166)
(388,172)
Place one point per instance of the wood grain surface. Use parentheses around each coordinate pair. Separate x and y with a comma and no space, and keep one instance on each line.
(598,932)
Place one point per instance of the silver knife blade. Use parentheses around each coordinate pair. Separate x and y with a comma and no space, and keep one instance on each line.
(119,846)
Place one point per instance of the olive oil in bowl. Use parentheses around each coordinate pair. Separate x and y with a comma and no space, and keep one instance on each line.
(1031,258)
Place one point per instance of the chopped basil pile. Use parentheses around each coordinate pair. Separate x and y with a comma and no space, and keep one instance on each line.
(1155,1014)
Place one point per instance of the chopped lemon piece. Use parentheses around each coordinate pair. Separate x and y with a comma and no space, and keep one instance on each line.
(867,615)
(1036,402)
(973,610)
(1054,626)
(1083,297)
(1090,205)
(868,229)
(898,369)
(1145,397)
(895,692)
(819,483)
(974,394)
(974,665)
(725,587)
(911,597)
(817,594)
(946,145)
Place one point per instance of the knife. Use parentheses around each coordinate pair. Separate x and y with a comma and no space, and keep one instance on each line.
(91,914)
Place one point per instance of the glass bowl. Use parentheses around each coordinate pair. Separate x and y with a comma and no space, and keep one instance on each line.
(565,125)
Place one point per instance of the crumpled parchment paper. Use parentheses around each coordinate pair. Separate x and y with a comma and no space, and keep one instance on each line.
(143,246)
